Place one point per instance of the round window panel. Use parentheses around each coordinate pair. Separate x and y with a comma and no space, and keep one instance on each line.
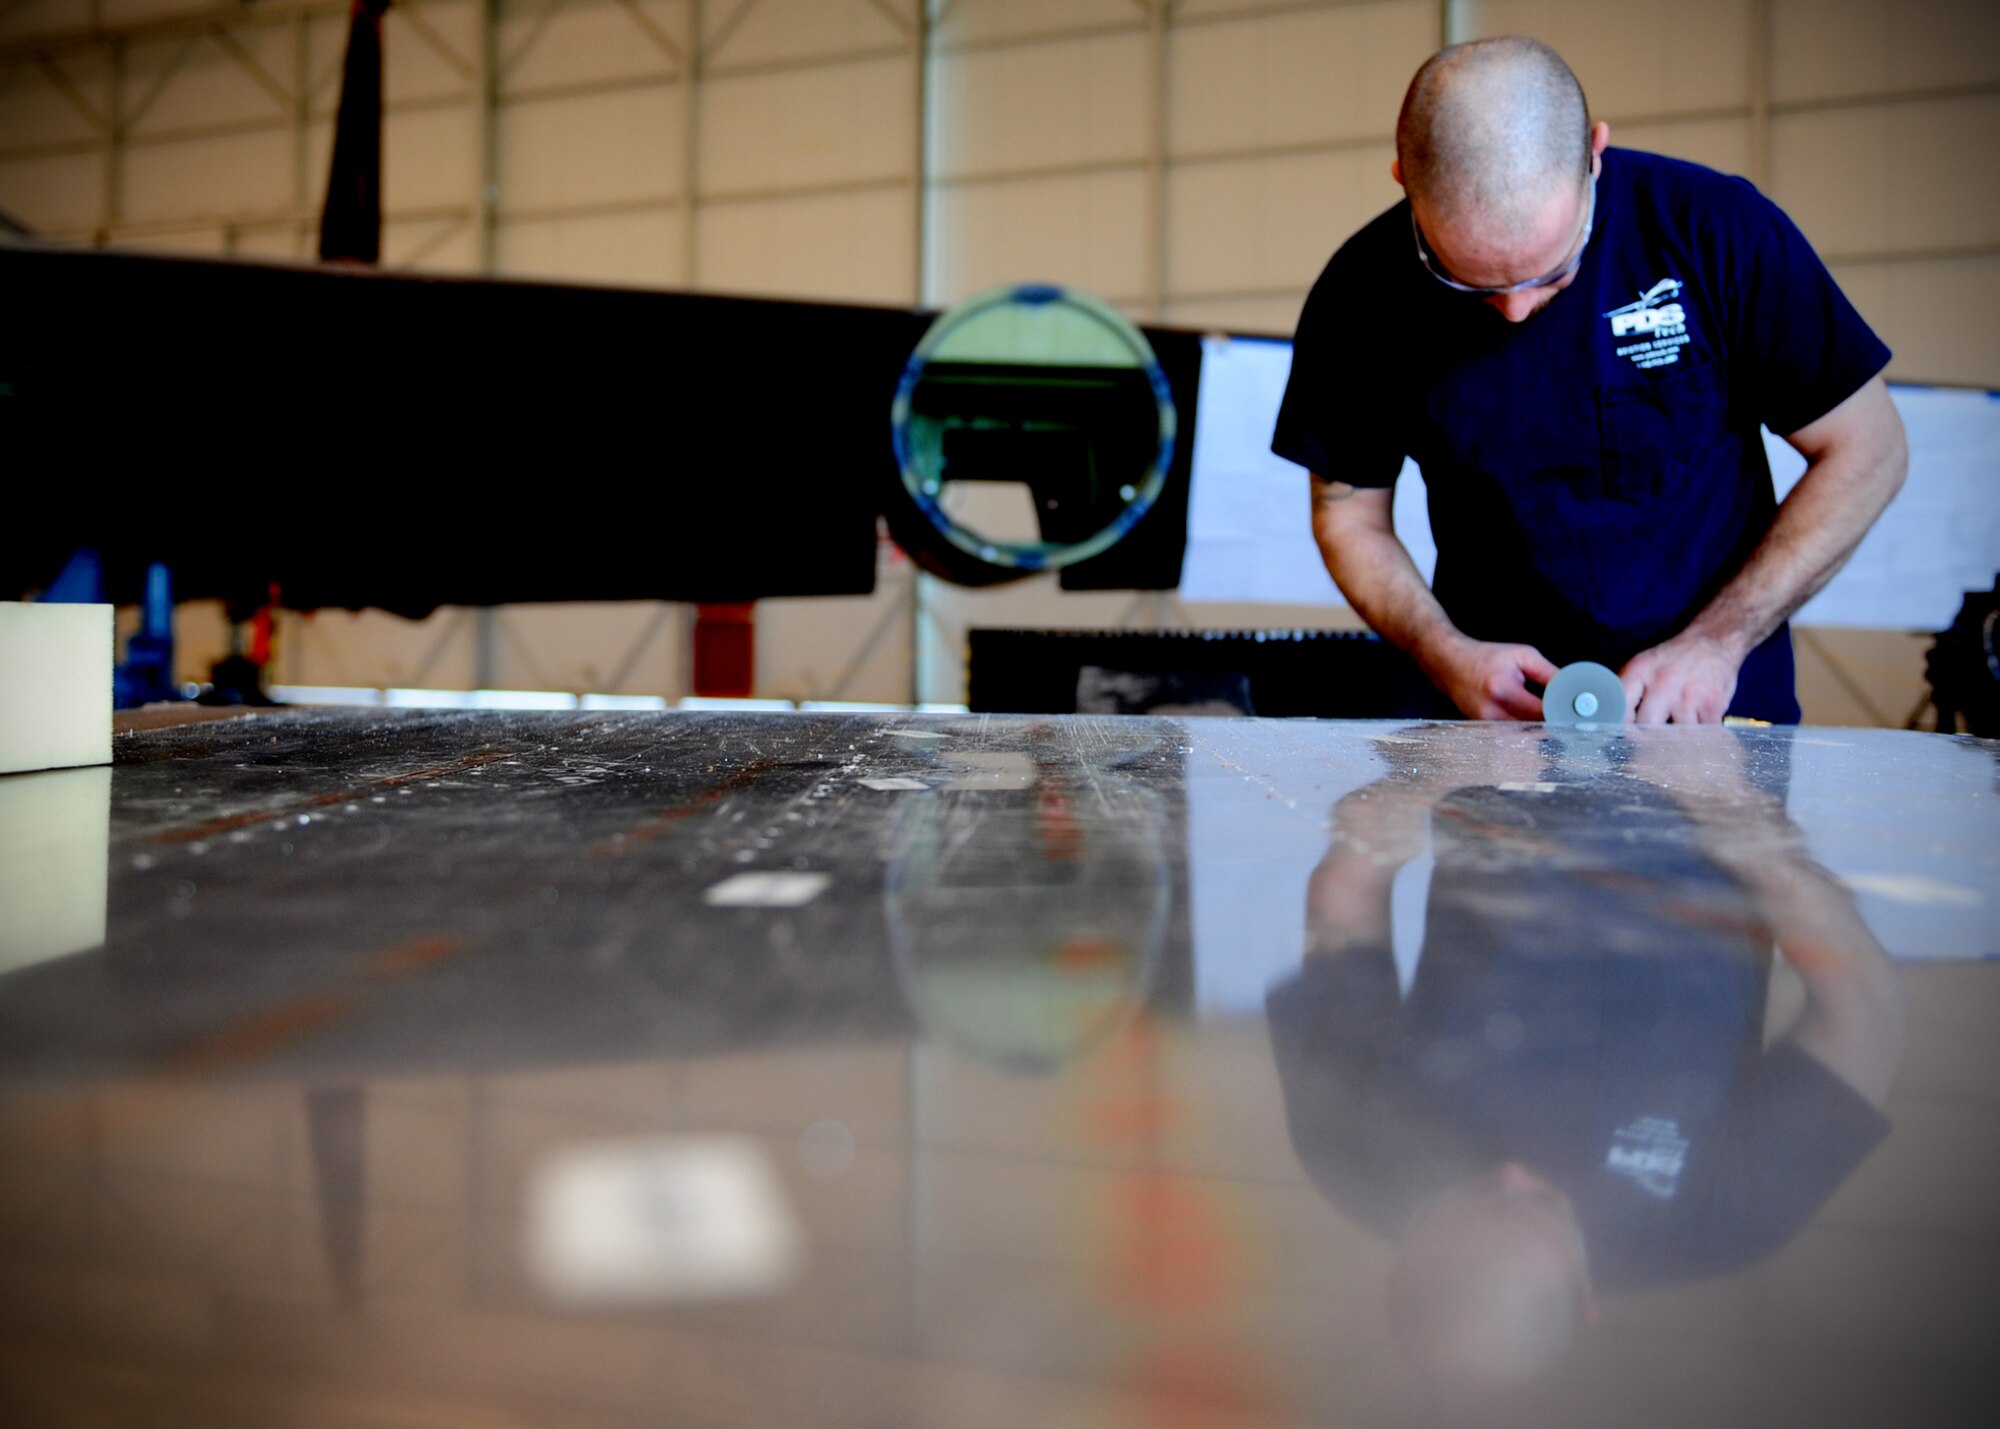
(1033,428)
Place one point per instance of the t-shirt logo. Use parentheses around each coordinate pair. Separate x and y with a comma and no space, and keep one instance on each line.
(1651,1151)
(1660,326)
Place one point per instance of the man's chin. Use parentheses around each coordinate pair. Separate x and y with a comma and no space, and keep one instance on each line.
(1541,304)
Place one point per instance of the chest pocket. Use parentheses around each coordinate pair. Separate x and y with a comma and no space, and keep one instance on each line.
(1658,426)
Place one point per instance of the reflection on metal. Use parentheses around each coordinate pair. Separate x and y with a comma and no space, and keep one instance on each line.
(1027,905)
(668,1220)
(1575,1093)
(1032,391)
(54,832)
(475,947)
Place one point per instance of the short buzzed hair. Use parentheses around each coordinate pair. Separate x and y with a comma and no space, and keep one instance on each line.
(1488,127)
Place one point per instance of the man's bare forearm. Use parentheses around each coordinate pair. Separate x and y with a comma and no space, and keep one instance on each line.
(1373,570)
(1376,830)
(1856,460)
(1854,1018)
(1847,485)
(1357,540)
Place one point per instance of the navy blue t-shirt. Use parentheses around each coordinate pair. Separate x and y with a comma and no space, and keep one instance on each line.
(1595,474)
(1575,1019)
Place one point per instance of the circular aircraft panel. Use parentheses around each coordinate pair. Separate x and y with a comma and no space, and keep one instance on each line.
(1033,428)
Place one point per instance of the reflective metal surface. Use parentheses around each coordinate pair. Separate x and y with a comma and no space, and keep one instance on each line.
(730,1069)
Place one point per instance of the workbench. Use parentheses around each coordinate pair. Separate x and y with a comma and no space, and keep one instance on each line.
(380,1067)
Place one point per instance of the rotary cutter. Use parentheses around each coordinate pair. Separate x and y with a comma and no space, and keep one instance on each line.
(1584,693)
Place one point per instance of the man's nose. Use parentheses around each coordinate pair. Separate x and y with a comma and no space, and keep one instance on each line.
(1515,307)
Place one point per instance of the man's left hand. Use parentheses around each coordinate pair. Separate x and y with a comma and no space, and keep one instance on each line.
(1686,680)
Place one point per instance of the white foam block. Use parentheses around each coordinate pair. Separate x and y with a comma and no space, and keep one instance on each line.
(55,834)
(55,686)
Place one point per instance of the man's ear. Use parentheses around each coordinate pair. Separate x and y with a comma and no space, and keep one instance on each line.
(1396,171)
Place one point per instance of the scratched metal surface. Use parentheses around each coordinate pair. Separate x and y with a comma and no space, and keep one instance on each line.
(766,1069)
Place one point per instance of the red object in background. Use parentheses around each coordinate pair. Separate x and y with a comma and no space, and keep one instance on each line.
(725,651)
(261,630)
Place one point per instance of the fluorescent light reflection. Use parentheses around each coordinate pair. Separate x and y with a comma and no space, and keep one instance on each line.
(362,696)
(325,695)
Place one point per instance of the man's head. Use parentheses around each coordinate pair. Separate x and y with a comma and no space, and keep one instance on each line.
(1496,150)
(1491,1283)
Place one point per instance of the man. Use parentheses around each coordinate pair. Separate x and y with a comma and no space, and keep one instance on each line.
(1576,344)
(1576,1092)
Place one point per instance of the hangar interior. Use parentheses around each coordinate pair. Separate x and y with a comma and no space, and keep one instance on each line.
(1192,163)
(606,1065)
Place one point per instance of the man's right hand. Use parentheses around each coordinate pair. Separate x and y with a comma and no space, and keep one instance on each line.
(1356,532)
(1485,680)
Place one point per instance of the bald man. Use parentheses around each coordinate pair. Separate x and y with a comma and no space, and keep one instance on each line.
(1576,344)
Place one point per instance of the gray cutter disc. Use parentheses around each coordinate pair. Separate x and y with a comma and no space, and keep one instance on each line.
(1584,693)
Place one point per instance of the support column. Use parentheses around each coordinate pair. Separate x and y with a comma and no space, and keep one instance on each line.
(1159,15)
(485,648)
(302,187)
(486,96)
(920,193)
(114,146)
(691,157)
(1760,94)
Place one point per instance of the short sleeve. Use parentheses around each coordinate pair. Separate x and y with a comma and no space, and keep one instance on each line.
(1338,1007)
(1337,1034)
(1800,349)
(1798,1132)
(1339,418)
